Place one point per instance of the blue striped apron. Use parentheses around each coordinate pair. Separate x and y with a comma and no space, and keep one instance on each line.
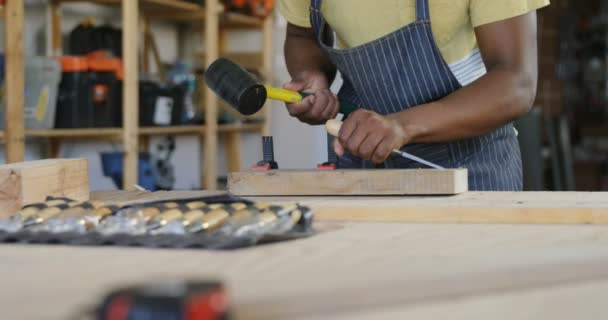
(404,69)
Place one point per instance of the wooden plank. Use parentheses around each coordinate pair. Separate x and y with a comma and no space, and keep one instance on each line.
(76,133)
(240,127)
(232,138)
(15,82)
(210,144)
(27,182)
(348,182)
(172,130)
(130,113)
(233,150)
(145,61)
(56,38)
(405,266)
(469,207)
(268,55)
(152,5)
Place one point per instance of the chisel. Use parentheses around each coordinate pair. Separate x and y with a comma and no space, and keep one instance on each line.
(333,127)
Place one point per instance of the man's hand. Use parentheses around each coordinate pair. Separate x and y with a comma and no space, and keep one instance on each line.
(370,136)
(317,108)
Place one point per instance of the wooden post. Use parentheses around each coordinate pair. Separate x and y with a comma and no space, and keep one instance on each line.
(211,101)
(267,55)
(15,81)
(232,138)
(57,41)
(130,38)
(146,50)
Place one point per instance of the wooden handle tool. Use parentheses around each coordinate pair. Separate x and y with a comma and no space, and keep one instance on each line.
(333,127)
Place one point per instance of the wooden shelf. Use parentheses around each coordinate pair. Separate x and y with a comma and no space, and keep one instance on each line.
(116,133)
(74,133)
(243,127)
(231,20)
(173,130)
(227,20)
(173,6)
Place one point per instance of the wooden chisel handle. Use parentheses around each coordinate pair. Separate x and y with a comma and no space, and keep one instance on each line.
(333,127)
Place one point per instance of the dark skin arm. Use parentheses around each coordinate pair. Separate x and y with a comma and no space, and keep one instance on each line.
(506,92)
(311,72)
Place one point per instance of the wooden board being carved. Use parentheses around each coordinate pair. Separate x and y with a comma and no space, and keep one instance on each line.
(348,182)
(29,182)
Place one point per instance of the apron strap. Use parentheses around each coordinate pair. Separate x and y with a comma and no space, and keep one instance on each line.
(316,19)
(422,10)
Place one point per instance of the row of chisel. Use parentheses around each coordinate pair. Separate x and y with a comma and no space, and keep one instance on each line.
(191,216)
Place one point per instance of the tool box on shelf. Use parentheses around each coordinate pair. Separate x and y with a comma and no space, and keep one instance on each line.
(90,92)
(106,89)
(161,105)
(220,221)
(74,101)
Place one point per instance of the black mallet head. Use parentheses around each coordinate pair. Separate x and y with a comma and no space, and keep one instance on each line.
(236,86)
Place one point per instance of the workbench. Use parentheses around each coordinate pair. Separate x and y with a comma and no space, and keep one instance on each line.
(362,269)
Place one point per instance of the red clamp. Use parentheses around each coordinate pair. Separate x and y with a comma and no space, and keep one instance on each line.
(326,166)
(263,166)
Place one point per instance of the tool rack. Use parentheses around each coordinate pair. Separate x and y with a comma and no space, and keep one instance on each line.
(215,22)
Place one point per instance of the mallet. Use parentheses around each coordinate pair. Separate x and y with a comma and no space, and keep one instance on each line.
(244,93)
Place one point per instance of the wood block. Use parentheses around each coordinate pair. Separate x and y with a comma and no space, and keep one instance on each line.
(349,182)
(28,182)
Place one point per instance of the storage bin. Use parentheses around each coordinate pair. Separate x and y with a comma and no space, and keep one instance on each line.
(106,91)
(74,101)
(161,105)
(112,166)
(42,76)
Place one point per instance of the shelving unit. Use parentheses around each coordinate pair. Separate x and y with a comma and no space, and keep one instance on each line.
(211,17)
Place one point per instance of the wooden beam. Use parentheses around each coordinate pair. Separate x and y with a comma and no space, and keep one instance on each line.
(145,61)
(130,91)
(15,81)
(233,150)
(348,182)
(233,138)
(57,41)
(268,55)
(209,149)
(469,207)
(156,54)
(28,182)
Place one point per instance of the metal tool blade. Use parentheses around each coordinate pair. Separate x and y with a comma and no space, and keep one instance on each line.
(417,159)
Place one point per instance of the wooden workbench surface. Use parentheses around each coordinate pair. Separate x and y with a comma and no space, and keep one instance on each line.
(350,270)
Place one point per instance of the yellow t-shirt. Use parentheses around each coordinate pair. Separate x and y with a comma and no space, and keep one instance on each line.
(360,21)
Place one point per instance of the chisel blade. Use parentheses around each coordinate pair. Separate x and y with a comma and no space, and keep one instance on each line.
(417,159)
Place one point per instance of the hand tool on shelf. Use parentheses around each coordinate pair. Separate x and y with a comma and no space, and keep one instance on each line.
(333,127)
(246,94)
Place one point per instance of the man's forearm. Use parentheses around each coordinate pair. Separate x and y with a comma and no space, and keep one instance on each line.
(494,100)
(303,55)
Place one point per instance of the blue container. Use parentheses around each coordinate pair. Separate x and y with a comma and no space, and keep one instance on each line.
(112,166)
